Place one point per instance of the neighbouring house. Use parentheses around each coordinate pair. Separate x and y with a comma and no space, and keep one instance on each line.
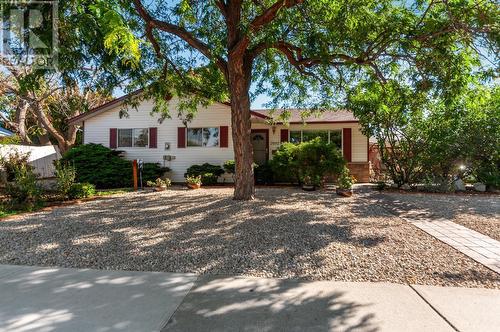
(5,133)
(207,138)
(42,158)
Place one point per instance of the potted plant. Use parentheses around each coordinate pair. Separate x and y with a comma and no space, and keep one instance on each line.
(193,182)
(345,183)
(160,184)
(309,183)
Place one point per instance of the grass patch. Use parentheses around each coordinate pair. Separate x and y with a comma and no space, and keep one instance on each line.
(7,210)
(107,192)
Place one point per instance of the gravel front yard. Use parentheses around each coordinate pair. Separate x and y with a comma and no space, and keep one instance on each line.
(284,233)
(478,212)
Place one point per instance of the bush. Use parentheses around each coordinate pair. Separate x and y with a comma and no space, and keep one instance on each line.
(264,174)
(209,173)
(105,168)
(229,166)
(24,188)
(152,171)
(65,177)
(13,163)
(285,165)
(159,182)
(346,180)
(194,179)
(315,158)
(81,190)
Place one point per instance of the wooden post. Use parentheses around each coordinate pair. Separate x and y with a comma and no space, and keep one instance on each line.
(134,168)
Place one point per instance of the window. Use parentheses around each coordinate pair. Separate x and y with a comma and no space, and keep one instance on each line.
(331,136)
(295,137)
(336,138)
(205,137)
(308,135)
(138,137)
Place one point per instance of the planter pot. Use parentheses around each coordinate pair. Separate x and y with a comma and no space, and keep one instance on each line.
(162,188)
(308,187)
(344,192)
(194,185)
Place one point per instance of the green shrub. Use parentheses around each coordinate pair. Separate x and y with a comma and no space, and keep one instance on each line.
(285,165)
(81,190)
(105,168)
(65,177)
(229,166)
(24,189)
(152,171)
(264,174)
(489,174)
(314,158)
(13,163)
(209,173)
(346,180)
(194,179)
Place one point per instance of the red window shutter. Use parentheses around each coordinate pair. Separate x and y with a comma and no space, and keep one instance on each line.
(224,139)
(113,133)
(181,137)
(347,144)
(284,135)
(153,138)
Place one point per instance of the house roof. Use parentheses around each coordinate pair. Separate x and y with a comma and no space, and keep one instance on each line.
(340,116)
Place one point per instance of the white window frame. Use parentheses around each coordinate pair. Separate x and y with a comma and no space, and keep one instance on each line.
(132,145)
(201,146)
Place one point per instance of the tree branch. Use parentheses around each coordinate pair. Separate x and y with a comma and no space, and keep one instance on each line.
(180,32)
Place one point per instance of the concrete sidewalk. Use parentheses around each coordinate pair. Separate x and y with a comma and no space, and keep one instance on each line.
(56,299)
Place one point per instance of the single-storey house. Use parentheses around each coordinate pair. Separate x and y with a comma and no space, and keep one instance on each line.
(207,138)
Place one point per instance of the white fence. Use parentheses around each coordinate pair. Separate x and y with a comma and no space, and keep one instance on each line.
(40,157)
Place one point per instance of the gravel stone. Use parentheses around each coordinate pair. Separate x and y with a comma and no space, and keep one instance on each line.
(283,233)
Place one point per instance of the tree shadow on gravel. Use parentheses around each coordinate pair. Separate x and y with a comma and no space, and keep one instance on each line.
(182,232)
(283,233)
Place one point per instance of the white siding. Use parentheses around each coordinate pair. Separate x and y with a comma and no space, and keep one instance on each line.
(97,131)
(359,141)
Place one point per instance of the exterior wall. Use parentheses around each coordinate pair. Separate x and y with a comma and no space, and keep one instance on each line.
(96,130)
(359,141)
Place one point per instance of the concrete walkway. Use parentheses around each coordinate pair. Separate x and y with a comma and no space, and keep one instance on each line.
(56,299)
(481,248)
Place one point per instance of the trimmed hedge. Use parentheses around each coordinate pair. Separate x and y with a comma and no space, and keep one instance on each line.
(105,168)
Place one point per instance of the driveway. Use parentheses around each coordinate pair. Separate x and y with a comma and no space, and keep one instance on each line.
(284,233)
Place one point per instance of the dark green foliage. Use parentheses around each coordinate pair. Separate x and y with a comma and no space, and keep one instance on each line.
(313,159)
(264,174)
(209,173)
(100,166)
(430,140)
(152,171)
(14,162)
(284,164)
(316,158)
(65,177)
(105,168)
(24,189)
(229,166)
(81,190)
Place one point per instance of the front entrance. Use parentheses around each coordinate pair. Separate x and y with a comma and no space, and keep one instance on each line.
(260,143)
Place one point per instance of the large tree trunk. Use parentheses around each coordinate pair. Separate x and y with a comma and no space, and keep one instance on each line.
(239,85)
